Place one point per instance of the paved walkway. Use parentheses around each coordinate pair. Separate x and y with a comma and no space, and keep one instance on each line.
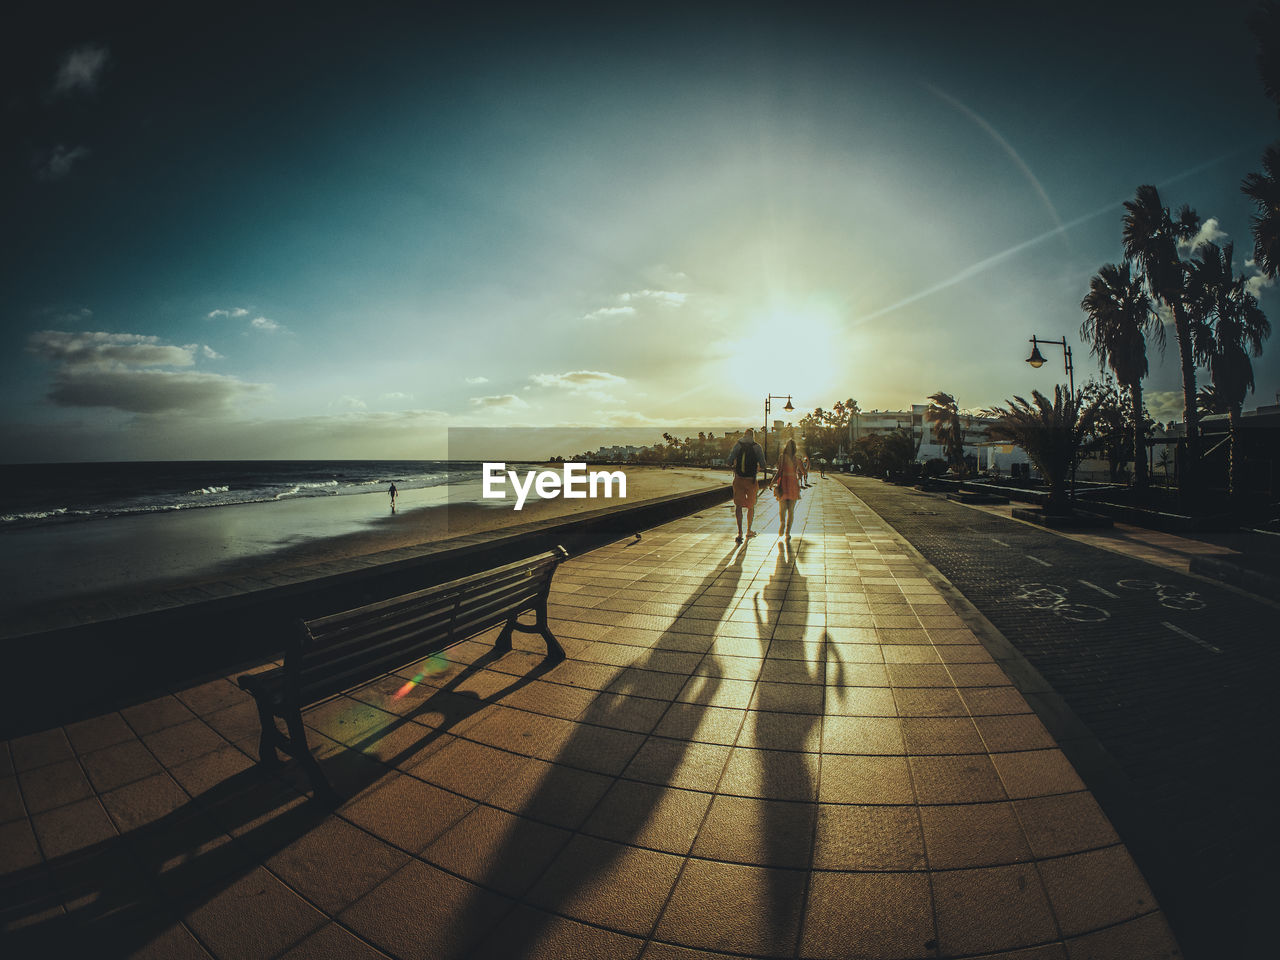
(762,751)
(1163,681)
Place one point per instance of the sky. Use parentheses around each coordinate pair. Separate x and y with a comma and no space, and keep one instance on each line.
(343,230)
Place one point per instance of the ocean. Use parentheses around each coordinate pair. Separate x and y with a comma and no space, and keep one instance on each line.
(33,495)
(70,530)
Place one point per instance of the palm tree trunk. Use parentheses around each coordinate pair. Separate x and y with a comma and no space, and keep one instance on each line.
(1139,440)
(1234,455)
(1191,417)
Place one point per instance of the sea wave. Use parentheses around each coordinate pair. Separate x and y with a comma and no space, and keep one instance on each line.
(90,492)
(34,515)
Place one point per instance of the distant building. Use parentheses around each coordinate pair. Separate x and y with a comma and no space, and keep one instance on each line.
(988,456)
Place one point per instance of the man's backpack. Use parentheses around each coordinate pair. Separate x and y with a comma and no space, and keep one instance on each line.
(745,460)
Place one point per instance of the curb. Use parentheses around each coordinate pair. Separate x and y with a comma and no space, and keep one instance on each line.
(1234,575)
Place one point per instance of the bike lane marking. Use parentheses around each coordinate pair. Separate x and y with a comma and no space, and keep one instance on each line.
(1104,592)
(1190,636)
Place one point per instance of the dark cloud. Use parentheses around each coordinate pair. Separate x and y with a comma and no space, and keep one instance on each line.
(119,371)
(57,163)
(150,391)
(80,70)
(96,349)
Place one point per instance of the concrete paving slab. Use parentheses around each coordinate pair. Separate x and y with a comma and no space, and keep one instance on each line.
(790,749)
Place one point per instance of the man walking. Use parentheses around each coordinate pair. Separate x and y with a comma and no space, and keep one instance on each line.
(747,456)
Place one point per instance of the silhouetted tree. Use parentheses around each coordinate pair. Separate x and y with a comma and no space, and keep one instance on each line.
(1151,236)
(1119,318)
(944,414)
(1229,327)
(1051,433)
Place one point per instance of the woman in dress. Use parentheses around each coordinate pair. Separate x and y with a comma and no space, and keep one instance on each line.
(787,488)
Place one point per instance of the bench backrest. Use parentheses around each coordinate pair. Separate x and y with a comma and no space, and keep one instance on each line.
(334,653)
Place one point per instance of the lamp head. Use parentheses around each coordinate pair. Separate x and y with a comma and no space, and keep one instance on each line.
(788,407)
(1037,358)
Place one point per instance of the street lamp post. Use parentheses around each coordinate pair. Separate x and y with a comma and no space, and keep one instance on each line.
(1037,360)
(768,407)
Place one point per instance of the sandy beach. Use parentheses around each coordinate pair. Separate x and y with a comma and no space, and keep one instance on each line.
(44,568)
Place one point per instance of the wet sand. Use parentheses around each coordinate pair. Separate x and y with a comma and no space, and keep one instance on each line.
(138,554)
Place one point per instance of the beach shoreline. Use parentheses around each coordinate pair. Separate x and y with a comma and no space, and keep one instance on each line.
(122,561)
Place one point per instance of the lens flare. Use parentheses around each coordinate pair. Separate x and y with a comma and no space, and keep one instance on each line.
(433,666)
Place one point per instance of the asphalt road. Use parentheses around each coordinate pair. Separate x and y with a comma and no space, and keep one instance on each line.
(1176,678)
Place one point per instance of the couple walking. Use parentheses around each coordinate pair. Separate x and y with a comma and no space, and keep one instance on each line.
(747,457)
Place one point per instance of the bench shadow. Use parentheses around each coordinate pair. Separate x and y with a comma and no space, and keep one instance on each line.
(558,884)
(115,896)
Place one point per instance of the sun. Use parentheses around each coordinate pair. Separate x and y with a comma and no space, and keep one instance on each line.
(800,351)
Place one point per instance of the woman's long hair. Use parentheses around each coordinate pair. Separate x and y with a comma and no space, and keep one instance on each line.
(789,451)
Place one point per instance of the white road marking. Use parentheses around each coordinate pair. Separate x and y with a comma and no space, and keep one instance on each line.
(1190,636)
(1094,586)
(1001,542)
(1043,563)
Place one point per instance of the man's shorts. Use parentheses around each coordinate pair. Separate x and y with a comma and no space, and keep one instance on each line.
(744,491)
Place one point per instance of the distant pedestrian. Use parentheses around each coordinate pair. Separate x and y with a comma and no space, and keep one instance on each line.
(804,471)
(786,488)
(392,490)
(747,457)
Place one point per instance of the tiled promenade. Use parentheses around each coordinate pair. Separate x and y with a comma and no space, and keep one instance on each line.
(751,751)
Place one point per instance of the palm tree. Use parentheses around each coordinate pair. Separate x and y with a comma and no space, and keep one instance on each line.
(1151,236)
(1119,318)
(1209,401)
(1264,190)
(1051,434)
(944,414)
(1229,327)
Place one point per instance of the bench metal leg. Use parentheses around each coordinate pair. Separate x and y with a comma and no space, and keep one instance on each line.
(555,652)
(270,736)
(298,737)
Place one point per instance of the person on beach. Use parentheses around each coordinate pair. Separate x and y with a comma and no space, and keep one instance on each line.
(786,487)
(392,490)
(747,456)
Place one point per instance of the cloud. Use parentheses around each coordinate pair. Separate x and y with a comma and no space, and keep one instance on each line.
(107,350)
(119,370)
(667,298)
(610,313)
(576,380)
(211,354)
(1210,232)
(57,163)
(477,380)
(350,403)
(397,396)
(232,312)
(80,70)
(505,401)
(1259,281)
(149,391)
(1163,405)
(627,301)
(265,324)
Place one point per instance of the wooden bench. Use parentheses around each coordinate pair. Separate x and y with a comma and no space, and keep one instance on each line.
(332,654)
